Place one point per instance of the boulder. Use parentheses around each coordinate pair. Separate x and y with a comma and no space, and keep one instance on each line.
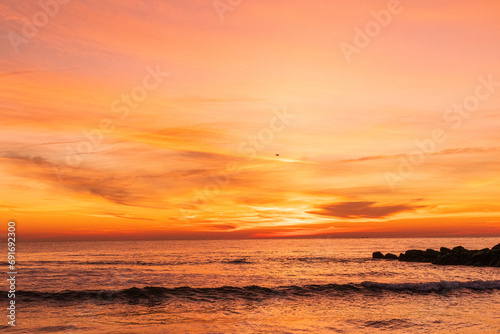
(480,258)
(494,258)
(391,256)
(431,254)
(447,259)
(415,255)
(444,250)
(463,255)
(456,256)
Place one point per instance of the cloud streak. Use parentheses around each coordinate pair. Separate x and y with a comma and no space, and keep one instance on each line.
(356,210)
(226,79)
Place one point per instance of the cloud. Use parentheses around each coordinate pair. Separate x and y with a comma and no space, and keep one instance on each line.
(123,187)
(222,227)
(26,158)
(466,150)
(6,74)
(116,193)
(362,209)
(203,100)
(127,216)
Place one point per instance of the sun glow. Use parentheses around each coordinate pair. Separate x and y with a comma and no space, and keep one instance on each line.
(122,121)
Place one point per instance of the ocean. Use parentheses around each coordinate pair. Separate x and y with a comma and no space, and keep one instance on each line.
(322,285)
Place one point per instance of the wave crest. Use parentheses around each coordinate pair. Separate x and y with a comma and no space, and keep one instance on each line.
(254,292)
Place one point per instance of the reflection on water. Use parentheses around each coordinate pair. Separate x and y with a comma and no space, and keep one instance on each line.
(253,286)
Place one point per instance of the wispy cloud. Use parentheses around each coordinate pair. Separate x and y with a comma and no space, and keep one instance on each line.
(465,150)
(363,209)
(177,145)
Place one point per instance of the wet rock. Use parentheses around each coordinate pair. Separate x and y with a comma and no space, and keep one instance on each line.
(415,255)
(444,250)
(495,258)
(447,259)
(431,254)
(456,256)
(391,256)
(480,258)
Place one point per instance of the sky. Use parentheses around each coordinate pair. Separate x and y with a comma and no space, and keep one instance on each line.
(204,119)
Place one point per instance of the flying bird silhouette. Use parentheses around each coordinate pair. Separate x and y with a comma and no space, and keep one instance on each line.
(277,154)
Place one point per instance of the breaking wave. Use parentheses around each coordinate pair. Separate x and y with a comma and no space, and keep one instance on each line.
(255,292)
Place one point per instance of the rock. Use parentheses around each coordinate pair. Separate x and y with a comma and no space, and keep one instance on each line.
(391,256)
(415,255)
(480,258)
(446,259)
(463,255)
(494,258)
(431,254)
(456,256)
(458,249)
(444,250)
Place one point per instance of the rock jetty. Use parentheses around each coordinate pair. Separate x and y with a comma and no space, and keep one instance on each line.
(457,256)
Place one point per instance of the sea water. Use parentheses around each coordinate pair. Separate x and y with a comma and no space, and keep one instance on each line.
(321,285)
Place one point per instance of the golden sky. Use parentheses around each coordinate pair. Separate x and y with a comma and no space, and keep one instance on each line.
(235,119)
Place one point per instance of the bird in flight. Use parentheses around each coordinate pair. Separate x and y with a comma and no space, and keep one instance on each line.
(277,154)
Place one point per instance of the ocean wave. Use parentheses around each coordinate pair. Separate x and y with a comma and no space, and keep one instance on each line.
(434,286)
(237,261)
(113,263)
(242,260)
(254,292)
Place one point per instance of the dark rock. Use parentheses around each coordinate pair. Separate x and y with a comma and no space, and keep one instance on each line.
(456,256)
(391,256)
(494,258)
(458,249)
(444,250)
(431,254)
(415,255)
(447,259)
(480,258)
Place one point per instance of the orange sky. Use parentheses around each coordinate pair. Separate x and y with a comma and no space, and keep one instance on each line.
(162,119)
